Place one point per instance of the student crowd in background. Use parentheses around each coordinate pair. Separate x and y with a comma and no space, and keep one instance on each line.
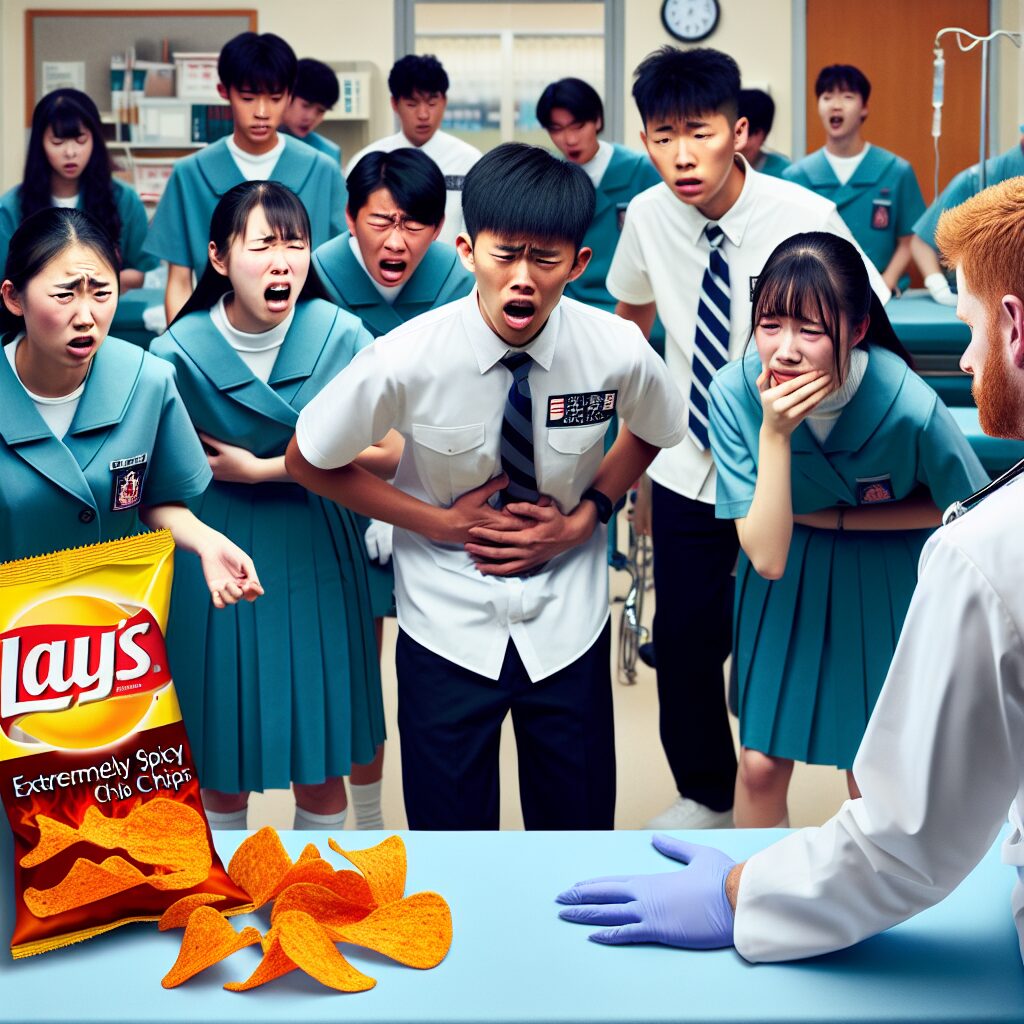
(428,385)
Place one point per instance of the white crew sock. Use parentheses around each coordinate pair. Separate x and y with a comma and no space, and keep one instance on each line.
(229,820)
(307,821)
(366,803)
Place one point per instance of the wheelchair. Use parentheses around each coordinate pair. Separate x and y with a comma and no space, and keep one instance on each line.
(638,562)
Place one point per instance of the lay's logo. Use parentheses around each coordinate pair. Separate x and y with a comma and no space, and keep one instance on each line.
(50,667)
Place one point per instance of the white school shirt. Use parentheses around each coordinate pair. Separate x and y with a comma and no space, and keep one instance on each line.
(661,257)
(253,167)
(439,381)
(598,163)
(843,167)
(258,351)
(940,763)
(57,413)
(452,155)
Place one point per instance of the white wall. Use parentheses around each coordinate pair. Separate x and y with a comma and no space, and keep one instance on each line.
(756,33)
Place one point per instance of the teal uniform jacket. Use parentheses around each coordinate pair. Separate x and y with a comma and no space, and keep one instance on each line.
(879,204)
(628,174)
(286,689)
(133,226)
(320,144)
(772,163)
(180,229)
(965,184)
(812,649)
(61,493)
(440,278)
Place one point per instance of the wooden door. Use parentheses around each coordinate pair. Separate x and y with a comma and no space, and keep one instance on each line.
(891,41)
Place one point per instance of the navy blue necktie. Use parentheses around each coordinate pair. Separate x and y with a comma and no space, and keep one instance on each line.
(517,433)
(711,342)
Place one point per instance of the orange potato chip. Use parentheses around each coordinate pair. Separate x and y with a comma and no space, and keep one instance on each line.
(274,964)
(259,864)
(415,931)
(167,833)
(383,866)
(308,946)
(208,939)
(54,837)
(177,914)
(323,905)
(315,871)
(85,883)
(350,886)
(309,852)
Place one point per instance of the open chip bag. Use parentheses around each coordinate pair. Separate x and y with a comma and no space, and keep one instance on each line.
(95,767)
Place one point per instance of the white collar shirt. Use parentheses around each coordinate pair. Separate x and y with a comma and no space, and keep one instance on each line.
(439,381)
(453,156)
(661,257)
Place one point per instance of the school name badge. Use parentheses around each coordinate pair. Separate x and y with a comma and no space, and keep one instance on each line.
(127,483)
(875,490)
(581,410)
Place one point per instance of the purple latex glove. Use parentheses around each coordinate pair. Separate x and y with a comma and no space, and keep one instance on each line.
(685,908)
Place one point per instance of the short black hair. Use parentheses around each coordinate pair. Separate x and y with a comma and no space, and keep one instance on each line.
(415,73)
(572,94)
(413,179)
(758,108)
(315,82)
(842,77)
(523,192)
(262,63)
(677,84)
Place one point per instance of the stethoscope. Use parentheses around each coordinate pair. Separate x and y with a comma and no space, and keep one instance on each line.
(958,508)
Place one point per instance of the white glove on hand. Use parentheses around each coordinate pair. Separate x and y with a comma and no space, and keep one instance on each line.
(378,541)
(938,286)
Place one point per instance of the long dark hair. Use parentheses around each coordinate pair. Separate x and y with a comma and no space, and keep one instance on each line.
(42,237)
(69,113)
(821,277)
(287,218)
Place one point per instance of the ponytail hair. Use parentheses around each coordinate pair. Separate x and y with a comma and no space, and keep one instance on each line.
(821,277)
(287,218)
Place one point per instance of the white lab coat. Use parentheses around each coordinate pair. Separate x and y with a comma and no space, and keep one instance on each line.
(941,762)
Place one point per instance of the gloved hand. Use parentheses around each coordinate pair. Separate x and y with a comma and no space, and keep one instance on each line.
(939,289)
(378,541)
(685,908)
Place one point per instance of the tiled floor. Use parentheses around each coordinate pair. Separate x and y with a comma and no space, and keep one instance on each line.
(644,783)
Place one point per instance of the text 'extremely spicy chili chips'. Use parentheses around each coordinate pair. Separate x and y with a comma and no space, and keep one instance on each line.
(95,767)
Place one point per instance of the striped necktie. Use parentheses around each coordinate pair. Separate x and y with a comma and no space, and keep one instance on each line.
(517,433)
(711,343)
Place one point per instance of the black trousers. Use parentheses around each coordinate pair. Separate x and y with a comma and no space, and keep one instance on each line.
(694,555)
(449,719)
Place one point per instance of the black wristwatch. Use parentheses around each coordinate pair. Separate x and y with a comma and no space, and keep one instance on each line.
(604,505)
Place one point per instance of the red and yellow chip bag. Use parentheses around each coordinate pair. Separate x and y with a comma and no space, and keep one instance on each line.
(95,767)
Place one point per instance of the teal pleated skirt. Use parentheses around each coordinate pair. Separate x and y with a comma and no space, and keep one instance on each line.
(286,689)
(812,649)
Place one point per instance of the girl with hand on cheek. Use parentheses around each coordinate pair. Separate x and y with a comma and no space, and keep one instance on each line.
(95,441)
(287,693)
(835,460)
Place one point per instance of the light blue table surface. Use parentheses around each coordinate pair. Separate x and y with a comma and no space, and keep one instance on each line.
(513,960)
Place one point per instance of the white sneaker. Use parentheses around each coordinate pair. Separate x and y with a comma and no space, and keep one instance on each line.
(686,813)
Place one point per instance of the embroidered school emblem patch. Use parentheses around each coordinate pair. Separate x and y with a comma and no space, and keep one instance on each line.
(129,475)
(581,410)
(874,490)
(880,214)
